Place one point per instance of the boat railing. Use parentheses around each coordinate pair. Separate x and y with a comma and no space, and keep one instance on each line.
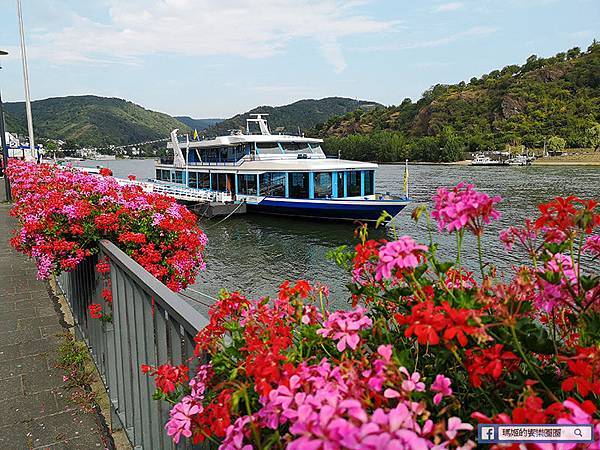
(180,192)
(150,324)
(216,163)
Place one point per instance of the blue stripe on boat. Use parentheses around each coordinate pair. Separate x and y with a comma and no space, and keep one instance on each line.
(343,209)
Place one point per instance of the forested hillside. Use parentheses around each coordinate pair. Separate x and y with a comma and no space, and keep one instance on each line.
(198,124)
(545,98)
(92,121)
(303,115)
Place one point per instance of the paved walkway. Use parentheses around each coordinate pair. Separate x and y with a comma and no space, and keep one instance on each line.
(36,411)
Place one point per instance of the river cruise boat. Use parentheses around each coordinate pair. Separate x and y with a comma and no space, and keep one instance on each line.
(278,174)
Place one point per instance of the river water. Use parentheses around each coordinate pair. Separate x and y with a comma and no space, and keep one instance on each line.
(254,253)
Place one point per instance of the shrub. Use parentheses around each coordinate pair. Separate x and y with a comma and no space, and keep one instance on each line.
(63,213)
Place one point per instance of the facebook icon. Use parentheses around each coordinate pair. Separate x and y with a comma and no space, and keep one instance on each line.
(487,433)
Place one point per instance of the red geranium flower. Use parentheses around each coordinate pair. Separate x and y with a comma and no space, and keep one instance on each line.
(95,310)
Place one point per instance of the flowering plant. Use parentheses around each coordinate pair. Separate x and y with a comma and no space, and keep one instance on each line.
(425,352)
(63,213)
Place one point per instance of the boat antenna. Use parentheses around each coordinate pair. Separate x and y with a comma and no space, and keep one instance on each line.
(261,121)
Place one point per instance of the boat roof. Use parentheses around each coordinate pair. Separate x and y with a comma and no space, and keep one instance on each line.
(237,139)
(286,165)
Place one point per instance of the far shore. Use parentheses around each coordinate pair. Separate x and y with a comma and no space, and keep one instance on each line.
(571,160)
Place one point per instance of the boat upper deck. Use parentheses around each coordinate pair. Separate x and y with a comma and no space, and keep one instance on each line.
(255,153)
(241,139)
(283,165)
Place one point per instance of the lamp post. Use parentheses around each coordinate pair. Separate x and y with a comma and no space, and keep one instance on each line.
(3,143)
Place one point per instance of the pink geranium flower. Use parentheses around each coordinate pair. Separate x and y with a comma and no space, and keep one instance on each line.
(463,207)
(592,245)
(441,385)
(403,254)
(343,327)
(455,425)
(180,422)
(412,382)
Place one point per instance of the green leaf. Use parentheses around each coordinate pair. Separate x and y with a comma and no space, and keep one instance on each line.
(341,256)
(384,217)
(550,277)
(590,328)
(420,270)
(555,248)
(418,212)
(443,267)
(533,337)
(589,282)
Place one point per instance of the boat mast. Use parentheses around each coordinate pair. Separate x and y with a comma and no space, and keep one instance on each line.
(262,123)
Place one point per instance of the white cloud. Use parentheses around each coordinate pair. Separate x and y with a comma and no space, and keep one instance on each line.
(247,28)
(445,7)
(471,32)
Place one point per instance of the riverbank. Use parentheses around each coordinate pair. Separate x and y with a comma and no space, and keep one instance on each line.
(583,159)
(570,160)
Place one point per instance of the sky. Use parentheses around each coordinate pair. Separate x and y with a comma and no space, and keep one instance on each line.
(217,58)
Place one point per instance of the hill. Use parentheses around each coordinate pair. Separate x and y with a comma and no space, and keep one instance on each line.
(303,114)
(511,107)
(198,124)
(92,121)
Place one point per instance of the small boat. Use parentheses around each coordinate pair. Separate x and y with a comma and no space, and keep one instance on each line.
(278,174)
(483,160)
(520,160)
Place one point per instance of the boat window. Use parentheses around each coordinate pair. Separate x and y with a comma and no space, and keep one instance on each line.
(298,184)
(353,180)
(272,184)
(163,175)
(340,184)
(235,153)
(369,182)
(246,184)
(219,182)
(193,180)
(222,154)
(295,147)
(177,176)
(192,156)
(316,148)
(203,180)
(268,148)
(323,185)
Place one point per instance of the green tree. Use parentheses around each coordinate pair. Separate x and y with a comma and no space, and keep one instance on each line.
(573,53)
(593,136)
(556,144)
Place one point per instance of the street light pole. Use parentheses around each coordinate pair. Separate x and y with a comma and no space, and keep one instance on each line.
(26,81)
(3,143)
